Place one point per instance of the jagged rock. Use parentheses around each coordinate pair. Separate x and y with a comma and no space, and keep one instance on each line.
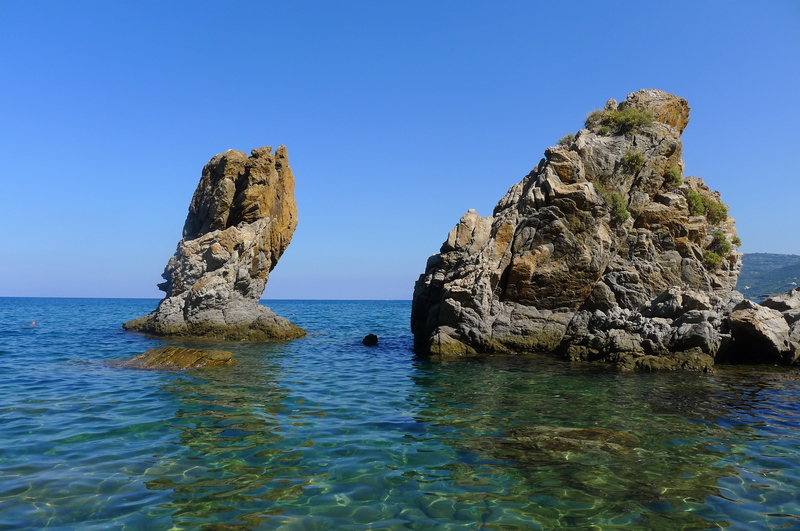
(600,253)
(179,358)
(241,219)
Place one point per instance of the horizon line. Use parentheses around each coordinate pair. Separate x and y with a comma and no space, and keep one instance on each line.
(162,298)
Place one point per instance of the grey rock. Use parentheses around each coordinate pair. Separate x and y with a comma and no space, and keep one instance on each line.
(785,301)
(761,334)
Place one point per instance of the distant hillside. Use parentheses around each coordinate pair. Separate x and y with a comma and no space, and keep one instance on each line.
(766,274)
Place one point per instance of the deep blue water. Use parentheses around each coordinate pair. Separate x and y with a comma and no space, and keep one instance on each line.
(324,433)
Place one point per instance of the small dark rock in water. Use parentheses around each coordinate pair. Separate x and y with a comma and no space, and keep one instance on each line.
(178,358)
(370,340)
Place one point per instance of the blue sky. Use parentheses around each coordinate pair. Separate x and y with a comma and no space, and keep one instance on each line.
(398,117)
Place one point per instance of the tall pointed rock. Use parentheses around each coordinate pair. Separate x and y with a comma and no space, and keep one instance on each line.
(241,219)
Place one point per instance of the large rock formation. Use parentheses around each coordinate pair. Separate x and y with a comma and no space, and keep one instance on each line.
(602,252)
(241,219)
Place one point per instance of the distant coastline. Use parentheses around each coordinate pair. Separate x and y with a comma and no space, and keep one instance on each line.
(765,274)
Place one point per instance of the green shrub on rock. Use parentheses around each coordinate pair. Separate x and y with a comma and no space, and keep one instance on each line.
(716,212)
(618,121)
(673,178)
(594,118)
(720,244)
(619,209)
(632,162)
(566,140)
(703,205)
(711,260)
(696,205)
(720,247)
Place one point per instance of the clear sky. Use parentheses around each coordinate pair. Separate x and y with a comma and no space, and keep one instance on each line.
(398,117)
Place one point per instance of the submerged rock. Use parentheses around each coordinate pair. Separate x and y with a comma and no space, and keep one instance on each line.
(179,358)
(241,219)
(557,440)
(603,252)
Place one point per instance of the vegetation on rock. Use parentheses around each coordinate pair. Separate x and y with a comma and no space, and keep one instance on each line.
(716,212)
(720,243)
(703,205)
(632,162)
(696,205)
(566,140)
(618,121)
(720,248)
(711,260)
(619,209)
(673,178)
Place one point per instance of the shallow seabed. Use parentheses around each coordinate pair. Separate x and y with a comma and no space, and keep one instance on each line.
(324,433)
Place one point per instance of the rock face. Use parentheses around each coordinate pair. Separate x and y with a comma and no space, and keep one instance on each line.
(179,358)
(241,219)
(602,252)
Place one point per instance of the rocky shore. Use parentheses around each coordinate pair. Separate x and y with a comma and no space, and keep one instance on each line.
(241,219)
(604,252)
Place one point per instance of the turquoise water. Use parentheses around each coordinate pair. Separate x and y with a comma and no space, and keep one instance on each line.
(324,433)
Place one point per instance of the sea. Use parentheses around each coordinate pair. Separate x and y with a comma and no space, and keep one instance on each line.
(325,433)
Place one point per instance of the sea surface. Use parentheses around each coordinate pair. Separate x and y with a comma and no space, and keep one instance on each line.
(324,433)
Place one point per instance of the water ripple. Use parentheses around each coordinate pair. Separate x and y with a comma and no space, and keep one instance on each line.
(324,433)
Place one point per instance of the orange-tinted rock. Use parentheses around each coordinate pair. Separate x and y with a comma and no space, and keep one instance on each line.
(241,219)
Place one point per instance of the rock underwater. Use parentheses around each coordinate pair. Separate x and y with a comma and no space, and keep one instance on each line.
(241,219)
(178,358)
(604,252)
